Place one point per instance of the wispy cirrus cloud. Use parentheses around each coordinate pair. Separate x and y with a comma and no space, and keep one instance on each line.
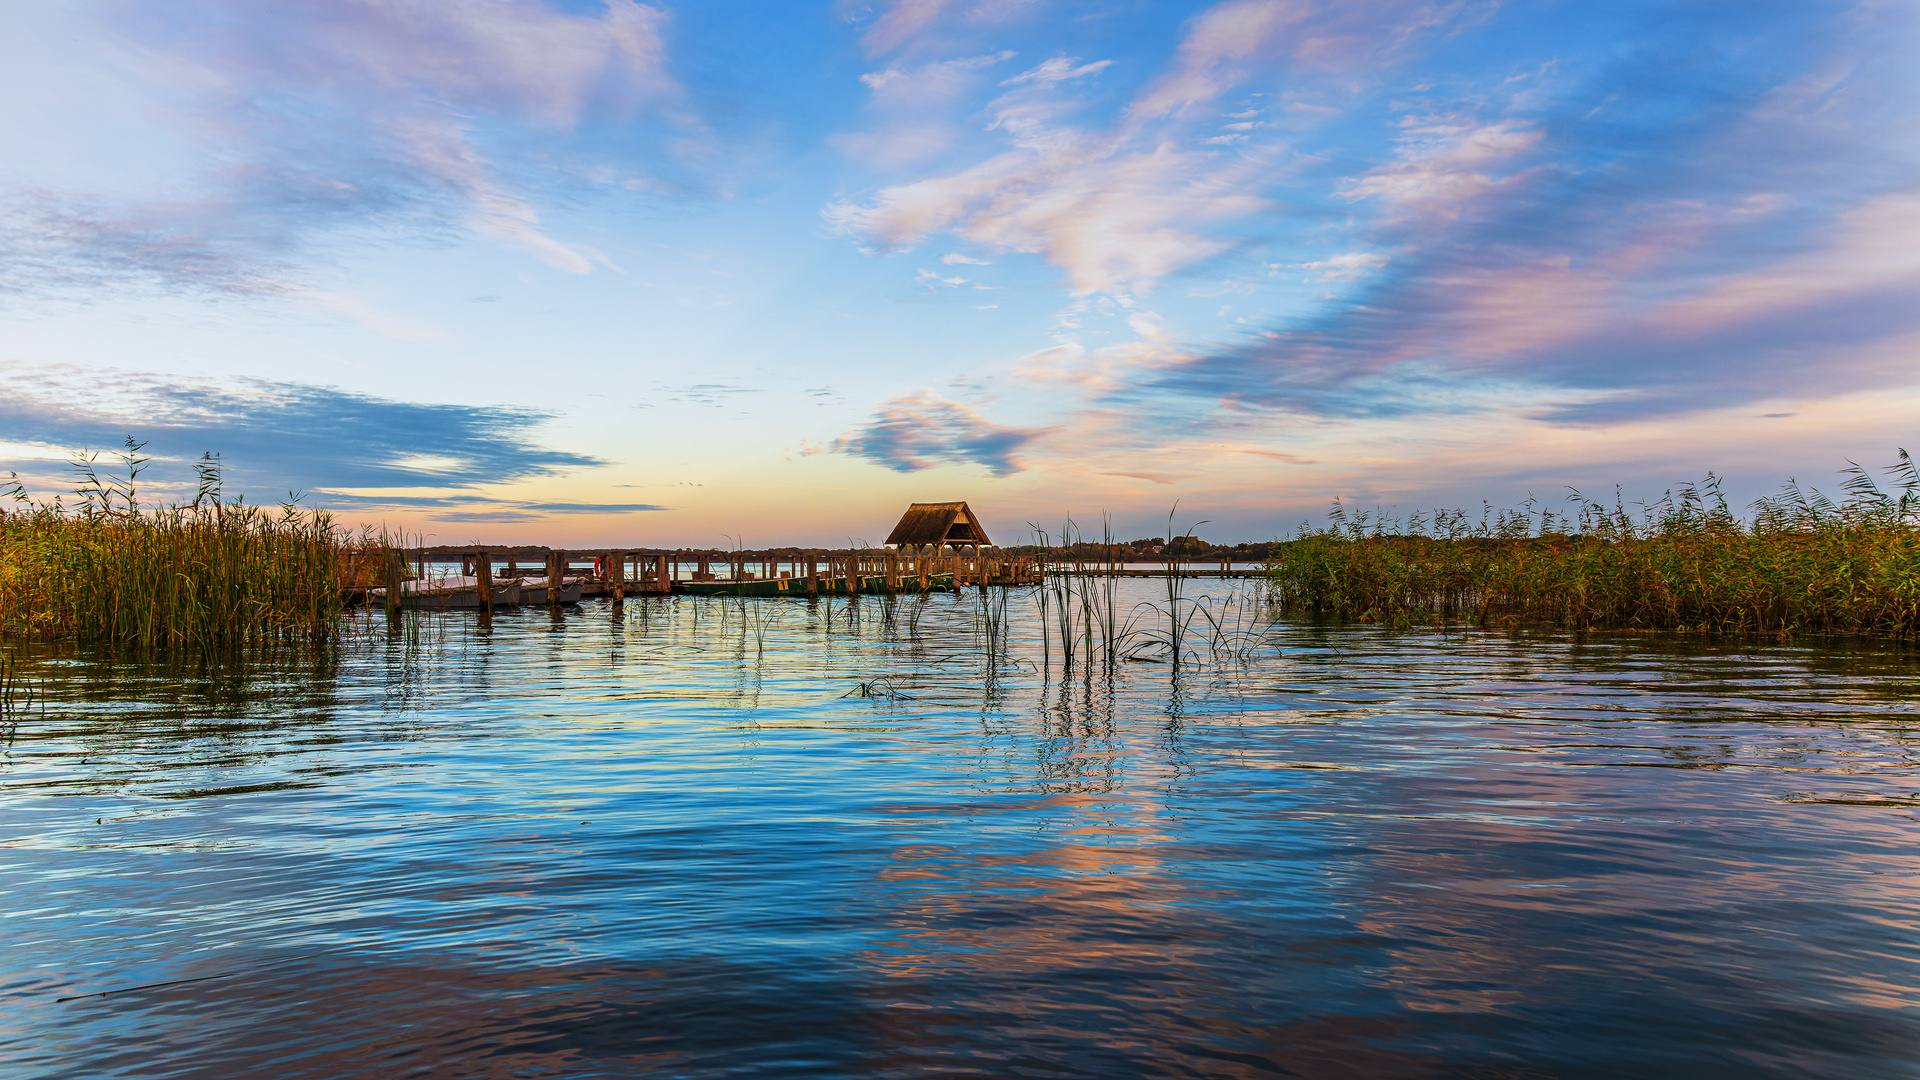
(1111,216)
(1120,205)
(1444,165)
(1214,55)
(327,118)
(913,114)
(1466,219)
(903,23)
(1762,246)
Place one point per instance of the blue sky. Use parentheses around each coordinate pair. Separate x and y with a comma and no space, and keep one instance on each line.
(588,272)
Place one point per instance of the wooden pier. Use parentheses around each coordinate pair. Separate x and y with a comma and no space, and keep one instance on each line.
(488,577)
(460,576)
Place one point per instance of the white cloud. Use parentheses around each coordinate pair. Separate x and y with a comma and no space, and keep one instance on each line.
(1058,69)
(938,80)
(901,22)
(1204,69)
(1444,166)
(1348,267)
(909,110)
(1114,220)
(932,280)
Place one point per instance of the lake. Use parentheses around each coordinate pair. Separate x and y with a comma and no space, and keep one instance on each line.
(900,838)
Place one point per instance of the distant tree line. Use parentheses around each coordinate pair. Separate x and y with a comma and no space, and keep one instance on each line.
(1153,549)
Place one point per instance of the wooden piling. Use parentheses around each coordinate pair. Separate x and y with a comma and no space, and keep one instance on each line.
(394,562)
(483,576)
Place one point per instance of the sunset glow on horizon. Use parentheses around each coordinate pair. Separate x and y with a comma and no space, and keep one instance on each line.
(666,274)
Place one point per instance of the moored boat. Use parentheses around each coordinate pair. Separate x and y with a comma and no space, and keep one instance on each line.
(453,593)
(533,590)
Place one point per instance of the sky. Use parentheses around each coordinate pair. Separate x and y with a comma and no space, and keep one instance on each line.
(758,273)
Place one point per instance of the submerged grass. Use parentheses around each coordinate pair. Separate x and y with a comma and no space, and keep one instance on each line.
(1799,563)
(209,574)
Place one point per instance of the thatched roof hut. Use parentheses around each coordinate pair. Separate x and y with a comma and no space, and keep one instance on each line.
(937,524)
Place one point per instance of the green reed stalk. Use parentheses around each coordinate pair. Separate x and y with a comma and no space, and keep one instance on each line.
(1801,563)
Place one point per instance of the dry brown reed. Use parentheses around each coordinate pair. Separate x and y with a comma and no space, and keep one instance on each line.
(207,574)
(1799,563)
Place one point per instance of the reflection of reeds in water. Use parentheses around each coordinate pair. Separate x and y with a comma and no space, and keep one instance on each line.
(209,573)
(1800,563)
(17,696)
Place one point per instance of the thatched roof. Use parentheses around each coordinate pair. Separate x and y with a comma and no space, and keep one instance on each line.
(938,523)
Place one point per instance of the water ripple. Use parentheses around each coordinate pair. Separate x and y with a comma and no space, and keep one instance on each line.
(713,837)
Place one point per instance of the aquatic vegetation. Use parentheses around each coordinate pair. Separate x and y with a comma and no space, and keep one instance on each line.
(1799,562)
(209,573)
(1080,614)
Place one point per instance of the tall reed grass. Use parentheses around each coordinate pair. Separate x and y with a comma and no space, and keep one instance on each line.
(1799,562)
(207,574)
(1081,617)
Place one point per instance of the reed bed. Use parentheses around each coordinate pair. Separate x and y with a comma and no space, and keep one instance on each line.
(209,574)
(1798,563)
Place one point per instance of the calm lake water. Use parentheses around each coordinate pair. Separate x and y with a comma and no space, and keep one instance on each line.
(722,838)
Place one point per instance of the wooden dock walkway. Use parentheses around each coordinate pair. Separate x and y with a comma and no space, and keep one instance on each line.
(487,576)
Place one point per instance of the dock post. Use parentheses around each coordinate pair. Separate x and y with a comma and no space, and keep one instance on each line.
(483,577)
(553,578)
(394,562)
(616,566)
(663,574)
